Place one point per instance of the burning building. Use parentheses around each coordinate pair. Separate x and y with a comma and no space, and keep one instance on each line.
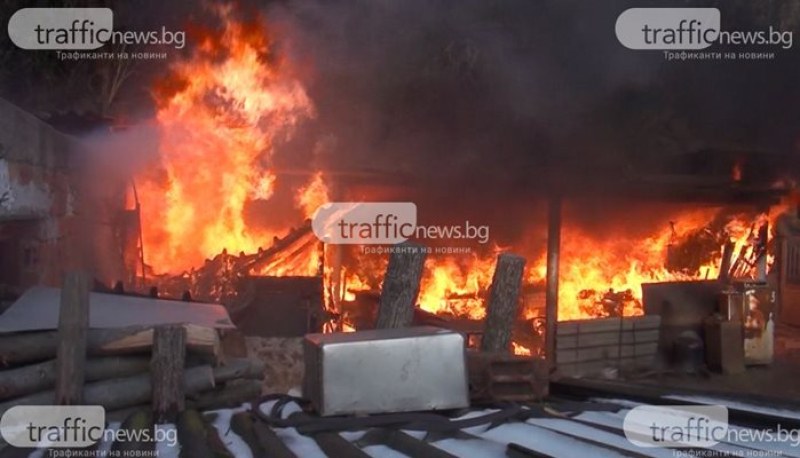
(222,203)
(630,217)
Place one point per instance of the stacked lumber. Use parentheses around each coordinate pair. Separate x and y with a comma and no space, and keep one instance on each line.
(587,347)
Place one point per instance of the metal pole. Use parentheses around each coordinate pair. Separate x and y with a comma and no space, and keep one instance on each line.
(551,295)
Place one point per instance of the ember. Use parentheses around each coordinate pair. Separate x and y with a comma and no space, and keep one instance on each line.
(219,115)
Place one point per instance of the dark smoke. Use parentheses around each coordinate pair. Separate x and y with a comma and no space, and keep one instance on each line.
(474,108)
(476,103)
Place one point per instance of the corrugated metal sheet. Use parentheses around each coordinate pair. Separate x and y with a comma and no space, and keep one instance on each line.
(37,310)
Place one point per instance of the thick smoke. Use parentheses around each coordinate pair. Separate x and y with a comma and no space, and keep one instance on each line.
(473,109)
(474,104)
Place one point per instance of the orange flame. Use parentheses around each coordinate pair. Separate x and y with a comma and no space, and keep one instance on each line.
(219,115)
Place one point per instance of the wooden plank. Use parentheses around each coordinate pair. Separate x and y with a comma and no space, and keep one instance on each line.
(166,370)
(503,303)
(401,286)
(73,326)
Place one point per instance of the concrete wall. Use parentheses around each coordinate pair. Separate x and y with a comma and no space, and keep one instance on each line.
(41,231)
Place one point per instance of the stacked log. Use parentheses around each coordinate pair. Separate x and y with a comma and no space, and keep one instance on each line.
(167,367)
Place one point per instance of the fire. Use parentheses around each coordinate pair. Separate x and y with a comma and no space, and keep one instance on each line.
(598,277)
(219,114)
(520,350)
(455,286)
(312,196)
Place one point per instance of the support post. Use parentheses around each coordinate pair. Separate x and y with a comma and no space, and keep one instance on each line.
(503,303)
(725,264)
(551,294)
(73,330)
(169,355)
(401,286)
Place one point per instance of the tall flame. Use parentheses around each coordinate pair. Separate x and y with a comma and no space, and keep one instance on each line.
(219,114)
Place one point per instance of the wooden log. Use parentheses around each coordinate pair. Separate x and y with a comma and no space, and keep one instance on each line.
(232,394)
(73,326)
(270,441)
(242,425)
(42,376)
(503,303)
(122,392)
(233,343)
(239,368)
(27,347)
(166,370)
(119,415)
(139,425)
(198,438)
(193,435)
(401,286)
